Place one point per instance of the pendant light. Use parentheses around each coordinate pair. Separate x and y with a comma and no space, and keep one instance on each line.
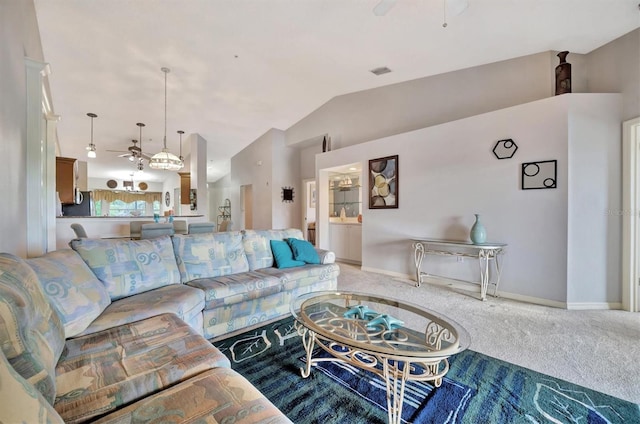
(165,160)
(140,164)
(181,157)
(91,148)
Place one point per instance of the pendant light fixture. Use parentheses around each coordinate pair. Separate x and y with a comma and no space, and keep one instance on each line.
(91,148)
(140,164)
(165,160)
(180,132)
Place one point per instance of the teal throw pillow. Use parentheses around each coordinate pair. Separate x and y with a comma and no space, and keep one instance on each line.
(283,255)
(303,251)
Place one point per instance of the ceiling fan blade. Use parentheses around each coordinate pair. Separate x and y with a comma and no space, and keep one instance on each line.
(145,156)
(456,7)
(118,151)
(383,7)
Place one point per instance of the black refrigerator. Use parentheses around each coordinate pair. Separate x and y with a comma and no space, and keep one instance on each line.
(84,208)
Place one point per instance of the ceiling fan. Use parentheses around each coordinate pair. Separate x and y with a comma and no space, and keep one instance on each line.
(455,7)
(133,152)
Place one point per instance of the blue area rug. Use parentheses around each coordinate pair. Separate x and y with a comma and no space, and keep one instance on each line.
(477,388)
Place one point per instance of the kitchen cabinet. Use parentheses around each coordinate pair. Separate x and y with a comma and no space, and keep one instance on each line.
(185,187)
(346,241)
(66,179)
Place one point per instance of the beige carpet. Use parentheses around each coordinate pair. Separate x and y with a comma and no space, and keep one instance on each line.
(595,349)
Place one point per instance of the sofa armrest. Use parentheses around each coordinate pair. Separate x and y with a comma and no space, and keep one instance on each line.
(326,256)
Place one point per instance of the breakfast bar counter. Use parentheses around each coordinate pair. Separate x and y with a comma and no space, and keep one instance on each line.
(106,226)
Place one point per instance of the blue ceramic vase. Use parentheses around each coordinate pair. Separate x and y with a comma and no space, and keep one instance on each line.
(478,233)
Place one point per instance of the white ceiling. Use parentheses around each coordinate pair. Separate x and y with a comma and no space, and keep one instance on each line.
(241,67)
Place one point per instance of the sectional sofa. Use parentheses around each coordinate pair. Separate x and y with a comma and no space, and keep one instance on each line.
(112,330)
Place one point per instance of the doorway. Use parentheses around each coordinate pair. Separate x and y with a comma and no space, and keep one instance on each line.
(631,215)
(246,206)
(309,210)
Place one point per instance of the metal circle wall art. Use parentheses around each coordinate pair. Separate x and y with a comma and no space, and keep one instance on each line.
(505,149)
(539,175)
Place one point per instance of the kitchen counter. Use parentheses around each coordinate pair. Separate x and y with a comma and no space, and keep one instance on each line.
(107,226)
(128,218)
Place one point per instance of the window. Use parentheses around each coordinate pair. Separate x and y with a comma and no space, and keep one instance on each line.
(118,203)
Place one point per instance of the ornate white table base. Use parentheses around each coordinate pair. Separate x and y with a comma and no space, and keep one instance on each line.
(485,253)
(396,370)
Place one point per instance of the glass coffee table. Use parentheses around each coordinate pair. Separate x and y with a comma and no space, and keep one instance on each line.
(396,340)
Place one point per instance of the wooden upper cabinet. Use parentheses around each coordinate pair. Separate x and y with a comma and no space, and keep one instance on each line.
(66,173)
(185,187)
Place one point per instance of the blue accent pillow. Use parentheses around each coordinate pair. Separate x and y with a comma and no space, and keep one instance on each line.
(283,255)
(303,251)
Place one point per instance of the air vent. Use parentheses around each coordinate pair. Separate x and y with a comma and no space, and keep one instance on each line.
(381,70)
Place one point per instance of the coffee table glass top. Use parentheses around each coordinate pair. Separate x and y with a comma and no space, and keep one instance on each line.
(377,324)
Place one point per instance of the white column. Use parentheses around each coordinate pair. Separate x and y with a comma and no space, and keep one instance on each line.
(40,163)
(198,148)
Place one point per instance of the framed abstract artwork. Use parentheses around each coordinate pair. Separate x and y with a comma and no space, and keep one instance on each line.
(383,183)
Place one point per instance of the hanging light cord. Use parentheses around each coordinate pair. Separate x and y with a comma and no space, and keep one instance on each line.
(444,13)
(166,71)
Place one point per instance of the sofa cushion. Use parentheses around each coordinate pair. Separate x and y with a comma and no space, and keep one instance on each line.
(235,288)
(206,255)
(283,255)
(31,334)
(184,301)
(21,403)
(308,275)
(257,246)
(216,396)
(101,372)
(74,291)
(303,251)
(128,267)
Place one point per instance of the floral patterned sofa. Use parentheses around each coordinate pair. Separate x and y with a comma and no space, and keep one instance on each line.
(112,330)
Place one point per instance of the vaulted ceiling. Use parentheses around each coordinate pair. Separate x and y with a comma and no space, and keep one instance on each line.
(241,67)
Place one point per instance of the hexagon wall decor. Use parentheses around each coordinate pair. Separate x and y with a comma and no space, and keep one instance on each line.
(505,149)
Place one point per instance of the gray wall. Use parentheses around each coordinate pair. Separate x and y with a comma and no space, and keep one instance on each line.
(267,165)
(20,38)
(367,115)
(560,252)
(615,68)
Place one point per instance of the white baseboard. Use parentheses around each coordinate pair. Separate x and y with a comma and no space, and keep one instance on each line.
(532,299)
(583,306)
(474,287)
(390,273)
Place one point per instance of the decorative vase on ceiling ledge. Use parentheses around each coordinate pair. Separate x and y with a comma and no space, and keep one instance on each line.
(563,74)
(478,233)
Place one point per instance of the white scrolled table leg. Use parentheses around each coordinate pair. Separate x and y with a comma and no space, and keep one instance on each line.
(418,256)
(483,258)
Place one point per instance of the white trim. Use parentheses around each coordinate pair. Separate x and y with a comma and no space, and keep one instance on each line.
(583,306)
(40,205)
(475,287)
(630,213)
(389,273)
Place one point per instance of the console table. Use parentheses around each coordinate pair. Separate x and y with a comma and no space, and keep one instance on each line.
(484,252)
